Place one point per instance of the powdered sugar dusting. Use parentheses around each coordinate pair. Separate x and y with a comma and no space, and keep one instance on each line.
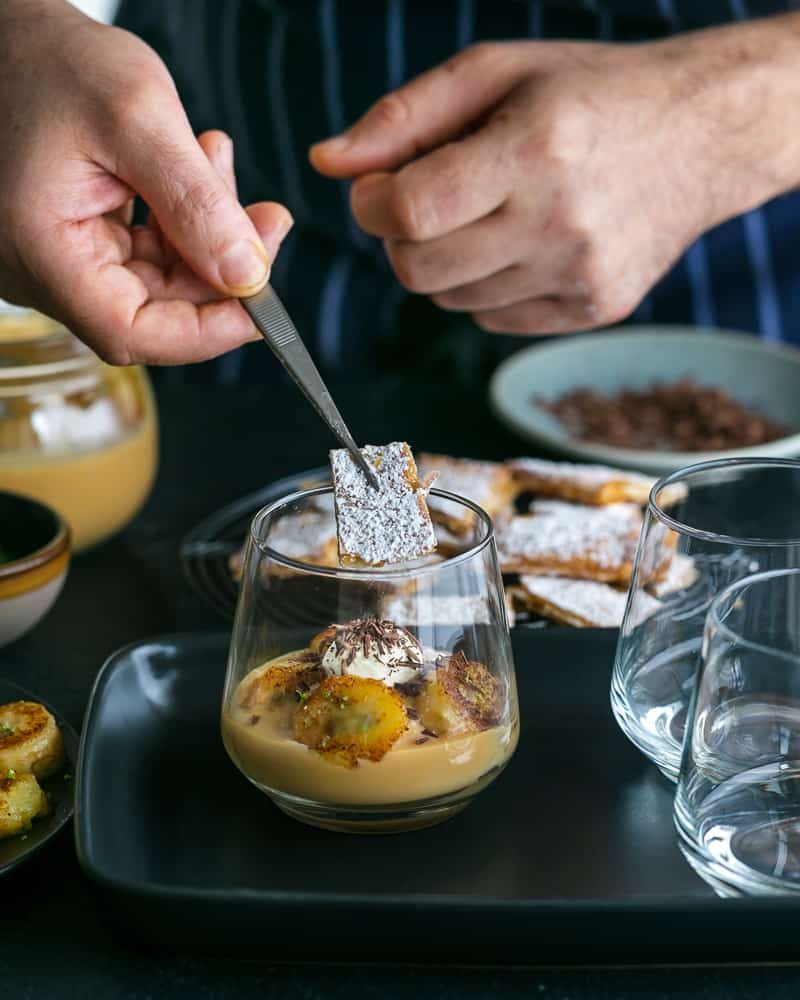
(388,525)
(487,484)
(587,479)
(437,609)
(587,601)
(556,534)
(308,537)
(560,508)
(304,535)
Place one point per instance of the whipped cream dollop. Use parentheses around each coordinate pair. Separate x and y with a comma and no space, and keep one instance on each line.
(366,647)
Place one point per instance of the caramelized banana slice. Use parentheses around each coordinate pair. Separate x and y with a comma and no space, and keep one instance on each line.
(21,802)
(30,740)
(459,696)
(350,717)
(280,687)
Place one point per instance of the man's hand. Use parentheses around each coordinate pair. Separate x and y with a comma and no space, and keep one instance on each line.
(91,118)
(545,187)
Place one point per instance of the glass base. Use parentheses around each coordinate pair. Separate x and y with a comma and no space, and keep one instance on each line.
(739,862)
(354,821)
(391,818)
(729,883)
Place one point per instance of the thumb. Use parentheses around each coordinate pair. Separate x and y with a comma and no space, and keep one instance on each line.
(196,210)
(432,109)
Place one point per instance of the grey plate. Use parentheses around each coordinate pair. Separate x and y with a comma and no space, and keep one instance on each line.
(762,375)
(16,850)
(570,857)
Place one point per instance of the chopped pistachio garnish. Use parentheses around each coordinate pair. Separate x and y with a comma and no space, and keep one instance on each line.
(11,774)
(5,730)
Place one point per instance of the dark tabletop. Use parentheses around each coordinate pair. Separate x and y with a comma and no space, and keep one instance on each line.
(217,444)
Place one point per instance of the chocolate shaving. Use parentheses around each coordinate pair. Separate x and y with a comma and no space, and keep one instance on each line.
(678,416)
(253,719)
(370,637)
(307,657)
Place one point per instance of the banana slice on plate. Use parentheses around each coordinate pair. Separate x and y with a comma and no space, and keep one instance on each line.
(30,739)
(21,802)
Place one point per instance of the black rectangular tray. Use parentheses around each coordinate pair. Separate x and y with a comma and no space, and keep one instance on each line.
(569,857)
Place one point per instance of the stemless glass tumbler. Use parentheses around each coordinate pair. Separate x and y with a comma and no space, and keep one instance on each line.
(725,520)
(737,806)
(368,699)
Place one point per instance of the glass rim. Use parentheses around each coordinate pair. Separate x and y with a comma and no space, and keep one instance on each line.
(369,573)
(658,512)
(730,591)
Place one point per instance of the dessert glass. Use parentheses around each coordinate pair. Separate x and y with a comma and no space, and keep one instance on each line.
(385,724)
(727,519)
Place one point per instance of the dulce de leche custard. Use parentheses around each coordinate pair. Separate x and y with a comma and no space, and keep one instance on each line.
(75,433)
(366,716)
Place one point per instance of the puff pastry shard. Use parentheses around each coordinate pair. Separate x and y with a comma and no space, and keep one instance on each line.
(388,525)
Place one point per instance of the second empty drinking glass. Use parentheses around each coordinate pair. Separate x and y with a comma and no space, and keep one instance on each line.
(737,807)
(726,520)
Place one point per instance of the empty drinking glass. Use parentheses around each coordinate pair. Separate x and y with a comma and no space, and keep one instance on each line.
(737,807)
(721,521)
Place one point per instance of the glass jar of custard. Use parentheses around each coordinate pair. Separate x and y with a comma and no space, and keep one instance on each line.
(75,433)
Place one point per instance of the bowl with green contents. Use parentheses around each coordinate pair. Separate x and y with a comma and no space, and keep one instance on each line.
(34,558)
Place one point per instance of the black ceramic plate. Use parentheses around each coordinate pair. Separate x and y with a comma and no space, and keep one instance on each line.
(15,850)
(207,548)
(569,857)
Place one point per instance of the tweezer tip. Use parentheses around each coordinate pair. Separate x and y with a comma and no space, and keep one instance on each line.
(369,472)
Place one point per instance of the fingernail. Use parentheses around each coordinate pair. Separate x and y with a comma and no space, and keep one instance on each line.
(275,237)
(284,226)
(244,268)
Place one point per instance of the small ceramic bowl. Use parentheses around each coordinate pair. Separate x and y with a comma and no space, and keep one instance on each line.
(762,376)
(34,556)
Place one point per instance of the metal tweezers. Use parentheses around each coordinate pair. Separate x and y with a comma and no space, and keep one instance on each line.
(275,326)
